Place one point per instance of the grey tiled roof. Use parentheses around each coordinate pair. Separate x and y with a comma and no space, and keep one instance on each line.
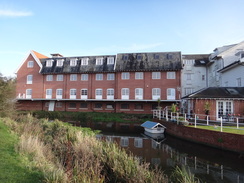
(200,59)
(218,92)
(160,61)
(66,68)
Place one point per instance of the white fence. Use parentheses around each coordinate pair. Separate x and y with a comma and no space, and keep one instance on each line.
(232,122)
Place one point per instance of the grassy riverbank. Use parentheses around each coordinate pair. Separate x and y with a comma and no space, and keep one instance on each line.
(13,167)
(63,153)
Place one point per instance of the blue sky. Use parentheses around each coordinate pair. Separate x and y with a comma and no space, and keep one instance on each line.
(97,27)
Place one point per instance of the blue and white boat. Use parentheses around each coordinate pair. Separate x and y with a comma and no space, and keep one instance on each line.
(153,127)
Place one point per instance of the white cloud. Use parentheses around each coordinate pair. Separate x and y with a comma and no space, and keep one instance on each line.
(13,13)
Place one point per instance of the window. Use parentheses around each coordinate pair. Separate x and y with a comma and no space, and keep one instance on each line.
(72,105)
(124,106)
(29,93)
(48,93)
(109,106)
(59,104)
(60,77)
(188,76)
(59,93)
(110,60)
(188,91)
(99,61)
(156,75)
(125,75)
(73,62)
(49,63)
(125,93)
(84,93)
(72,94)
(98,105)
(170,94)
(125,57)
(73,77)
(30,64)
(84,61)
(110,76)
(169,56)
(99,77)
(83,105)
(156,56)
(124,141)
(99,93)
(29,79)
(139,57)
(49,77)
(203,77)
(170,75)
(84,77)
(138,106)
(138,93)
(139,75)
(156,93)
(60,62)
(138,142)
(238,82)
(110,93)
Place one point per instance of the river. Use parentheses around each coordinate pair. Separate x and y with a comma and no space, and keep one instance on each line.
(209,164)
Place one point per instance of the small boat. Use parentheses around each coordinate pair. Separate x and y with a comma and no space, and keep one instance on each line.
(153,127)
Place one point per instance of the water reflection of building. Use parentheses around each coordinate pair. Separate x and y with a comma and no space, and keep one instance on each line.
(167,157)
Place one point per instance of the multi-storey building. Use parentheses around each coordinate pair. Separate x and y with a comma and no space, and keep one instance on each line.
(130,82)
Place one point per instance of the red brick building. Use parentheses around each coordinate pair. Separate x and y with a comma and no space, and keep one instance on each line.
(130,82)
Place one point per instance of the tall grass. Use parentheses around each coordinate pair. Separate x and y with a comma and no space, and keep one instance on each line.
(69,154)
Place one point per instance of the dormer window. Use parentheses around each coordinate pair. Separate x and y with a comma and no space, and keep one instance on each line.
(139,57)
(99,61)
(125,57)
(49,63)
(156,56)
(169,56)
(73,62)
(84,61)
(110,60)
(60,62)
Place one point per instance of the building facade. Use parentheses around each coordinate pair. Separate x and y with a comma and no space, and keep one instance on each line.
(129,82)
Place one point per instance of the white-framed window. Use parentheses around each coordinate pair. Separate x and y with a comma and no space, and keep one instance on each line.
(30,64)
(188,91)
(110,76)
(60,77)
(124,141)
(48,93)
(125,75)
(139,75)
(84,77)
(139,93)
(73,77)
(59,93)
(49,63)
(49,78)
(99,61)
(170,75)
(156,75)
(99,77)
(110,60)
(224,108)
(238,82)
(59,104)
(84,93)
(60,62)
(72,94)
(84,61)
(73,62)
(99,93)
(156,93)
(170,94)
(110,93)
(138,142)
(188,76)
(29,93)
(29,79)
(125,93)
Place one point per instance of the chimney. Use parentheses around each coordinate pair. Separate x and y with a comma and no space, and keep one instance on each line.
(56,55)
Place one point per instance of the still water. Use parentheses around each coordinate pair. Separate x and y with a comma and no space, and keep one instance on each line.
(209,164)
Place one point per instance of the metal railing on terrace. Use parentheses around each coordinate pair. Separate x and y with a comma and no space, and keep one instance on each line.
(224,121)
